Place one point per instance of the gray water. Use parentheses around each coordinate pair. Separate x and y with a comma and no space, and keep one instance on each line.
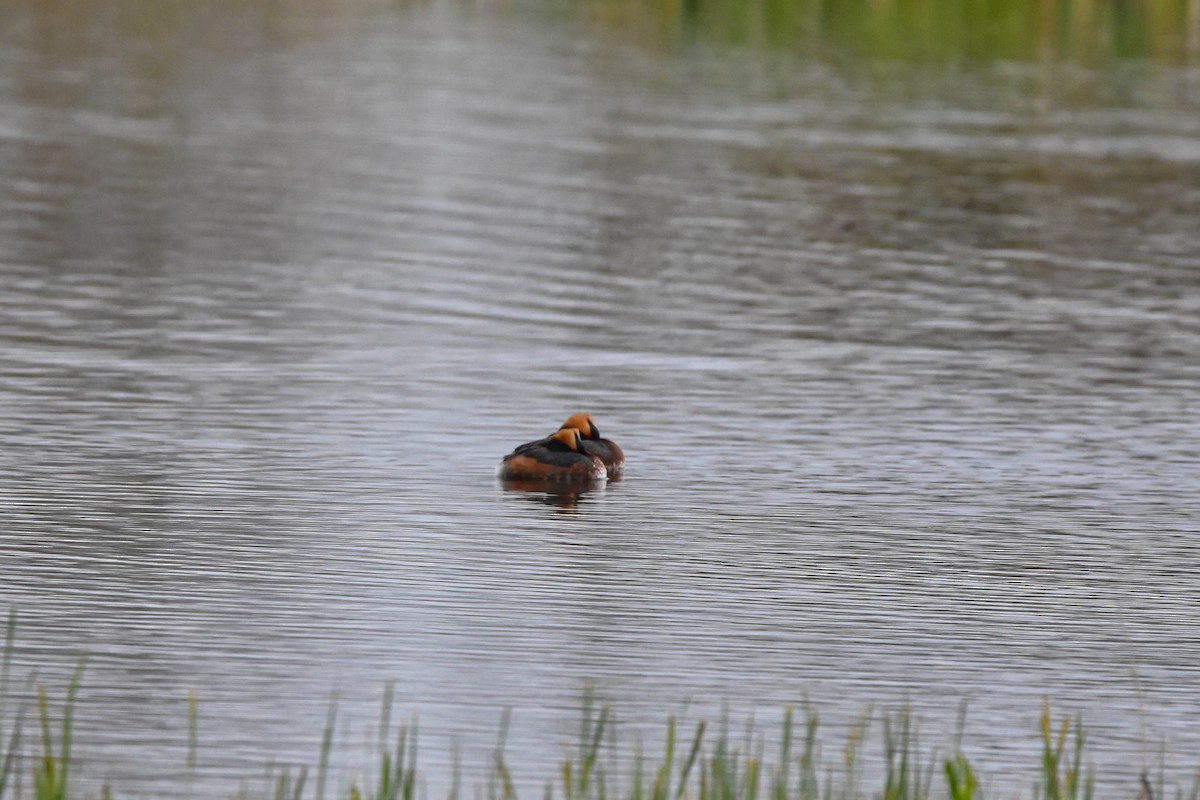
(903,359)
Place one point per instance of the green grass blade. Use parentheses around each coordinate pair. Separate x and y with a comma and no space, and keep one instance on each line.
(10,635)
(8,753)
(961,782)
(326,749)
(8,762)
(691,760)
(455,771)
(662,780)
(68,727)
(499,764)
(385,715)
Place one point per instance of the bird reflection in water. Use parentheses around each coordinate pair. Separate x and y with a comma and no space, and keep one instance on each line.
(566,496)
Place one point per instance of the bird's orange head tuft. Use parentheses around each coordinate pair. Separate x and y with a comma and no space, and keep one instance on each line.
(570,437)
(585,424)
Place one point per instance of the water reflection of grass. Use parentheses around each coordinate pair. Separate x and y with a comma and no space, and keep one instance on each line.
(692,765)
(925,30)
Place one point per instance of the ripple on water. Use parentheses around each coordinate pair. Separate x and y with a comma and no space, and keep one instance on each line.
(906,389)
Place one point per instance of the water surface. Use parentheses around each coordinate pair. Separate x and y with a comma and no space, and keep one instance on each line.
(902,358)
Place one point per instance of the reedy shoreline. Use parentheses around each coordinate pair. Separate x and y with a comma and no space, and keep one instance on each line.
(696,764)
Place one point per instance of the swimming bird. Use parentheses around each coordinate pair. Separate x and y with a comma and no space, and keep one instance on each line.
(558,457)
(605,449)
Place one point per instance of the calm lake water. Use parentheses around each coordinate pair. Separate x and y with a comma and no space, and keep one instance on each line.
(905,360)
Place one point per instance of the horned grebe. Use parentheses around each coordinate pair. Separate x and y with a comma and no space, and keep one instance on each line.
(558,457)
(606,449)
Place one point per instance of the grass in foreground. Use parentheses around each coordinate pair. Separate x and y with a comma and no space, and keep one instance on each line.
(693,765)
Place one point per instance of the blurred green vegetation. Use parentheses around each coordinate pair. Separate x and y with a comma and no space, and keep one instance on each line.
(920,31)
(935,31)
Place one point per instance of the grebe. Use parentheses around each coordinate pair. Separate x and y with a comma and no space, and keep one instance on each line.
(558,457)
(605,449)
